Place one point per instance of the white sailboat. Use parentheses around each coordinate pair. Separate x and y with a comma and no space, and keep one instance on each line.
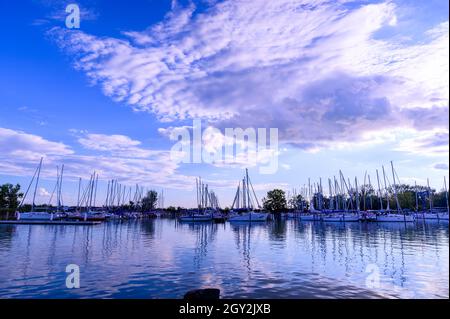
(435,213)
(387,215)
(312,214)
(34,215)
(245,212)
(88,199)
(343,217)
(207,205)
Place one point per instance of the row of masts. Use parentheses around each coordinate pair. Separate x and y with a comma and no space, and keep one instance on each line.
(118,195)
(206,198)
(245,197)
(342,195)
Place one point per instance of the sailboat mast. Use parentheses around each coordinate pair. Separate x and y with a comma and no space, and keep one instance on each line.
(95,193)
(248,189)
(395,188)
(357,195)
(60,188)
(385,188)
(37,182)
(379,191)
(417,199)
(446,194)
(430,195)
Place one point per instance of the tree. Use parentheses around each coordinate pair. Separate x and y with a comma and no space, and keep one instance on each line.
(275,201)
(149,200)
(297,202)
(9,198)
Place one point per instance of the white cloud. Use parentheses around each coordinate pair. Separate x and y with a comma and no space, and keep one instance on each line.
(20,153)
(24,145)
(42,192)
(312,69)
(429,143)
(119,145)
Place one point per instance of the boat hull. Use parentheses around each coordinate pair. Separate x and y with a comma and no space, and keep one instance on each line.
(195,218)
(395,218)
(249,217)
(35,216)
(432,216)
(341,219)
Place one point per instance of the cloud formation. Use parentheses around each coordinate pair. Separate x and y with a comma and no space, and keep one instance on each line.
(287,64)
(20,153)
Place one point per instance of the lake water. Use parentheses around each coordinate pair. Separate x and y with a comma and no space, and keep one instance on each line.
(163,258)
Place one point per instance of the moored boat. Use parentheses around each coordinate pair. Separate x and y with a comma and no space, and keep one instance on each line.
(391,217)
(35,216)
(249,217)
(340,217)
(195,218)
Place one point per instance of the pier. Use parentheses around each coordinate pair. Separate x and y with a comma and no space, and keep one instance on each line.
(50,222)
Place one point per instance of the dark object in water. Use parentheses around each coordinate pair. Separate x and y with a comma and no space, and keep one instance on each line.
(208,293)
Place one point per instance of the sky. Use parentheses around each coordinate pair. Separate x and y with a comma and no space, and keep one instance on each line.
(349,85)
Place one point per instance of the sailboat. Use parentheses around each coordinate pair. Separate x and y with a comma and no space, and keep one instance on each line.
(387,215)
(345,215)
(204,212)
(434,213)
(244,211)
(89,198)
(33,214)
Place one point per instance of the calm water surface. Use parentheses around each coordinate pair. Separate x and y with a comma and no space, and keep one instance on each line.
(163,258)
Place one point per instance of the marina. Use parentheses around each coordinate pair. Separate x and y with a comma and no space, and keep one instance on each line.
(321,245)
(165,258)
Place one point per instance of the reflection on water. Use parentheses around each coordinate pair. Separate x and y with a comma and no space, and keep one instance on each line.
(163,258)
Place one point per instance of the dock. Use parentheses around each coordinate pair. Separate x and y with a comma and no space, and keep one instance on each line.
(49,222)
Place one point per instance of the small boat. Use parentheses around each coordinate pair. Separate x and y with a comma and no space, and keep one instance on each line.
(249,217)
(219,217)
(345,218)
(94,216)
(88,216)
(196,218)
(35,216)
(389,217)
(432,215)
(368,216)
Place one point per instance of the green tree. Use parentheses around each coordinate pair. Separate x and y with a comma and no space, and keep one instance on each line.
(275,201)
(10,196)
(297,202)
(149,200)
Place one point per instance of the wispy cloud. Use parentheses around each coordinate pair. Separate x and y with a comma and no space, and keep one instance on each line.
(441,166)
(312,69)
(20,152)
(118,145)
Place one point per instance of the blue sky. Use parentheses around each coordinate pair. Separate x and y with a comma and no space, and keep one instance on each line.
(350,85)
